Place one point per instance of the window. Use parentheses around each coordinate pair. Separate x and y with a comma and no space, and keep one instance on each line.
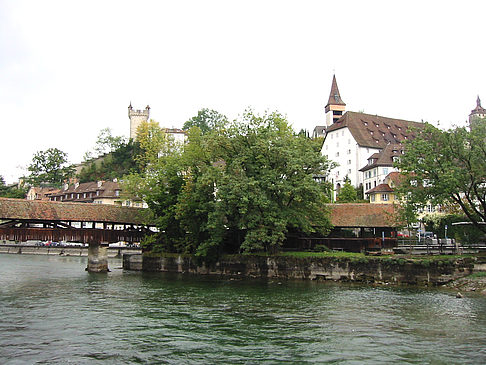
(84,196)
(337,154)
(349,152)
(384,197)
(349,171)
(373,197)
(117,192)
(349,162)
(77,196)
(337,144)
(342,133)
(385,170)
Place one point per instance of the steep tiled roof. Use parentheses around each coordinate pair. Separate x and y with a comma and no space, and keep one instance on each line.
(384,157)
(334,96)
(376,131)
(363,215)
(105,189)
(382,188)
(76,212)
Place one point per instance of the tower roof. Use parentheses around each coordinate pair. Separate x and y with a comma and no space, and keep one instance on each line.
(334,96)
(478,109)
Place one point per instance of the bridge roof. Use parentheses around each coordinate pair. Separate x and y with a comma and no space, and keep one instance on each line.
(364,215)
(36,210)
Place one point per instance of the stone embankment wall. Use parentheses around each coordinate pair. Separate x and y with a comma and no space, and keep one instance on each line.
(368,269)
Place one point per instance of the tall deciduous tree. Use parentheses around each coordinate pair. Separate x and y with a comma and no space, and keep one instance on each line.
(49,167)
(238,188)
(447,167)
(206,120)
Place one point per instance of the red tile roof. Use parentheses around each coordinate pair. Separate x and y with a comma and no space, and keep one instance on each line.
(382,188)
(384,157)
(376,131)
(363,215)
(334,96)
(76,212)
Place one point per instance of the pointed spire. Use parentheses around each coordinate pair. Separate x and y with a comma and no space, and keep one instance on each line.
(130,106)
(478,103)
(334,96)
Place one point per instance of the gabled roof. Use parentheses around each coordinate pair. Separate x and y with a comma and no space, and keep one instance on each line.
(384,157)
(363,215)
(375,131)
(382,188)
(37,210)
(106,189)
(334,96)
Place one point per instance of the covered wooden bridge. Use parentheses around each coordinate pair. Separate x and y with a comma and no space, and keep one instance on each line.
(94,224)
(357,228)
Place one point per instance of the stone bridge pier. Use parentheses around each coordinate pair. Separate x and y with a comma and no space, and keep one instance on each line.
(97,257)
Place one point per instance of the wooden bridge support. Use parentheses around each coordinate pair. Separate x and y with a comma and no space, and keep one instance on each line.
(97,257)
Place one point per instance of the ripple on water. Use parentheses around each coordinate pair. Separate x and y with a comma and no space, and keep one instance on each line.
(55,312)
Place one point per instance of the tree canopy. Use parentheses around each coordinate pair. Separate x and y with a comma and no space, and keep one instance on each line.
(116,158)
(241,187)
(206,120)
(348,193)
(49,167)
(12,191)
(447,168)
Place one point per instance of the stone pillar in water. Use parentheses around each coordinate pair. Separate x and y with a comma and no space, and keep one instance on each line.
(97,257)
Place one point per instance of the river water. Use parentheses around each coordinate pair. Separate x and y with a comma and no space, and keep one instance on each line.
(54,312)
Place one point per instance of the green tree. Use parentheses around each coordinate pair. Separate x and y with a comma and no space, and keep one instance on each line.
(348,193)
(253,184)
(447,168)
(49,167)
(116,164)
(206,120)
(238,188)
(11,191)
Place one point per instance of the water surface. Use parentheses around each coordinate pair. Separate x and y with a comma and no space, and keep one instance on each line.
(53,311)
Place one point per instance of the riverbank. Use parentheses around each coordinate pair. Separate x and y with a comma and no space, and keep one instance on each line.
(424,271)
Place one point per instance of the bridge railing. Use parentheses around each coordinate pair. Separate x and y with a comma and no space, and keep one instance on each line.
(85,235)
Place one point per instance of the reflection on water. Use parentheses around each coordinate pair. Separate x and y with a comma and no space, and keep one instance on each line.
(53,311)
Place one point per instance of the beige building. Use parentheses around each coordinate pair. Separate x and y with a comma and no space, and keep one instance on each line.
(40,193)
(99,192)
(384,193)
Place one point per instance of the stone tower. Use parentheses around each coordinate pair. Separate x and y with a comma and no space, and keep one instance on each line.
(477,113)
(136,118)
(335,106)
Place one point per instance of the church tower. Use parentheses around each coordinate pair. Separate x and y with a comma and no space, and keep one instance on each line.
(137,117)
(476,113)
(335,106)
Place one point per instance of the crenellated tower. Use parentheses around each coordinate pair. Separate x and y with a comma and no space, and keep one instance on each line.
(137,117)
(335,106)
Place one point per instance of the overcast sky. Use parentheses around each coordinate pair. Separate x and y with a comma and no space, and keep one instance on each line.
(70,68)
